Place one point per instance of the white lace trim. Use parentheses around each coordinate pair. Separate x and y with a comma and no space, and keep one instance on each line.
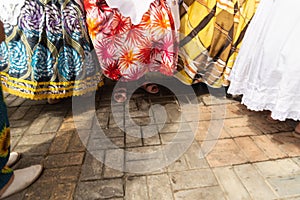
(255,100)
(10,11)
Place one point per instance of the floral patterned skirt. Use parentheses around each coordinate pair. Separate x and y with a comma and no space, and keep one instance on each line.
(48,54)
(127,51)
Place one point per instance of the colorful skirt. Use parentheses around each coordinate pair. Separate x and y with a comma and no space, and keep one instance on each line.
(211,33)
(5,172)
(127,51)
(48,53)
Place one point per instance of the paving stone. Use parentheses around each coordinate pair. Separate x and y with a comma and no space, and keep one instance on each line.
(268,146)
(175,127)
(60,142)
(83,125)
(243,131)
(14,141)
(264,126)
(296,160)
(29,102)
(286,186)
(33,149)
(237,122)
(139,121)
(133,131)
(76,144)
(145,167)
(9,99)
(255,184)
(67,127)
(178,165)
(209,130)
(117,122)
(19,123)
(163,100)
(173,113)
(287,143)
(216,112)
(52,125)
(92,169)
(105,143)
(63,191)
(243,109)
(68,118)
(136,188)
(113,132)
(184,137)
(28,160)
(139,113)
(19,113)
(207,193)
(282,167)
(133,141)
(34,112)
(18,131)
(232,111)
(149,131)
(211,100)
(86,115)
(192,117)
(102,118)
(37,126)
(145,153)
(39,190)
(10,111)
(193,179)
(36,139)
(63,160)
(250,149)
(99,189)
(62,175)
(159,187)
(194,157)
(154,140)
(223,150)
(231,184)
(114,163)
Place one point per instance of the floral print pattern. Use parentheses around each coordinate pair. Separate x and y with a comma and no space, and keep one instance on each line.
(126,51)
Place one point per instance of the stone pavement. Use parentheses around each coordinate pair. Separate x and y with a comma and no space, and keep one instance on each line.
(236,153)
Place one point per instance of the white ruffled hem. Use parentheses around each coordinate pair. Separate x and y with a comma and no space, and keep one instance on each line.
(10,11)
(256,100)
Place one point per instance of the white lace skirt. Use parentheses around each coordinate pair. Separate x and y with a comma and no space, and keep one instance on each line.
(267,70)
(10,10)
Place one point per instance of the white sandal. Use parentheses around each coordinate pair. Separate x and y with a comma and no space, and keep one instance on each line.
(14,157)
(21,179)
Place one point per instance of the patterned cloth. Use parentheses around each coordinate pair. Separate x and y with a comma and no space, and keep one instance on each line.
(128,51)
(211,35)
(48,54)
(5,172)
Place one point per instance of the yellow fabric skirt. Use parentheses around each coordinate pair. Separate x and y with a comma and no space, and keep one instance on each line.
(211,34)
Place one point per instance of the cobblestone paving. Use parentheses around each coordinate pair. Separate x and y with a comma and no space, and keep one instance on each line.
(236,153)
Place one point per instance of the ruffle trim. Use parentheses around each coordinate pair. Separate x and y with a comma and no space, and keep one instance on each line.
(258,102)
(10,11)
(54,90)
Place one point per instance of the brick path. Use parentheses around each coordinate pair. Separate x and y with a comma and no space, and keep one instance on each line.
(250,159)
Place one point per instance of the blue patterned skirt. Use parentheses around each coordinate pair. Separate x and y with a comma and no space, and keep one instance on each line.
(48,54)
